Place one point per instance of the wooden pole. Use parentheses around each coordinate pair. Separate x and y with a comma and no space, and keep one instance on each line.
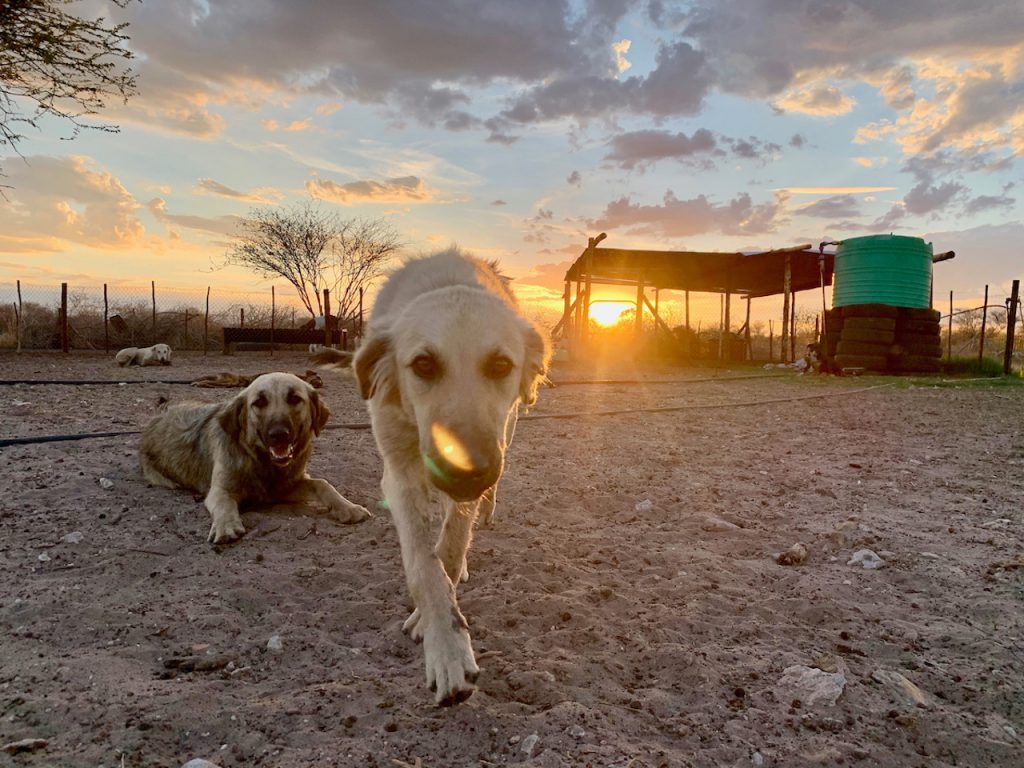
(787,282)
(792,330)
(344,339)
(1011,325)
(241,317)
(747,346)
(984,316)
(728,325)
(64,343)
(20,315)
(153,288)
(686,302)
(566,309)
(721,325)
(206,320)
(949,334)
(771,341)
(327,317)
(106,323)
(359,332)
(638,328)
(184,341)
(273,317)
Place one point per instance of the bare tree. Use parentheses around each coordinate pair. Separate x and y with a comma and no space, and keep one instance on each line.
(315,249)
(55,63)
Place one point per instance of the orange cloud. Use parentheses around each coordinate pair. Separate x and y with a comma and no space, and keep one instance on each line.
(405,189)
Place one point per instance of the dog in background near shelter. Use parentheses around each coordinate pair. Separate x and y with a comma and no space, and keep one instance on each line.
(253,448)
(158,354)
(445,363)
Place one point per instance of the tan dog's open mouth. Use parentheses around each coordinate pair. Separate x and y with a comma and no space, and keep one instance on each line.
(283,453)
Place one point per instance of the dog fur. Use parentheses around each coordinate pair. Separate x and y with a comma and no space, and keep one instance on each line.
(158,354)
(445,363)
(252,448)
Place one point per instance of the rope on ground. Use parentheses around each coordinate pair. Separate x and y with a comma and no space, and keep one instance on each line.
(4,443)
(79,382)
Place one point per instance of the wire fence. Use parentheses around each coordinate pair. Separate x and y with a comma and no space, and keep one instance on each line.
(111,316)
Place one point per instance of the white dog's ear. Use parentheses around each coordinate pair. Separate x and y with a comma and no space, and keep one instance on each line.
(374,365)
(232,417)
(535,364)
(319,411)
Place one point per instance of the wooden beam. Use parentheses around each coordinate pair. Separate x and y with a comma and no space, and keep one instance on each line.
(787,277)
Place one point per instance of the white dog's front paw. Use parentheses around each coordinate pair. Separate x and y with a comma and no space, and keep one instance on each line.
(352,513)
(226,528)
(412,627)
(451,668)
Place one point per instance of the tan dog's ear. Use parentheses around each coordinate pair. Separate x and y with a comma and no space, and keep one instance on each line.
(232,417)
(319,412)
(535,365)
(374,366)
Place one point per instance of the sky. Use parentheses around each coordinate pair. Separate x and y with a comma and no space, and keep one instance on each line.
(518,129)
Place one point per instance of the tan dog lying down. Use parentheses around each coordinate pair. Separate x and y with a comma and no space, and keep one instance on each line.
(445,363)
(252,448)
(158,354)
(227,380)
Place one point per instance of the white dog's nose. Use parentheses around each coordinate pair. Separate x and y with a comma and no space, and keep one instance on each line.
(463,470)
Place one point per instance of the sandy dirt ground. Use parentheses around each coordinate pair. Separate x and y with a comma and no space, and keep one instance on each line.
(627,606)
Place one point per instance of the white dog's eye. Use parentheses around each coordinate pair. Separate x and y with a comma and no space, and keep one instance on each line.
(294,398)
(425,367)
(260,402)
(498,367)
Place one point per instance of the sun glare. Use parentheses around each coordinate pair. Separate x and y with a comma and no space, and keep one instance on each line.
(607,313)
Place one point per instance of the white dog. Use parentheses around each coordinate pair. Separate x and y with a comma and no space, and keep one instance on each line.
(445,363)
(158,354)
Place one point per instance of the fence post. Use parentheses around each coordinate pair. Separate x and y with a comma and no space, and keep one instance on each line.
(984,316)
(241,317)
(184,342)
(949,332)
(360,331)
(206,320)
(153,286)
(106,323)
(327,318)
(771,341)
(1011,325)
(20,315)
(64,345)
(273,317)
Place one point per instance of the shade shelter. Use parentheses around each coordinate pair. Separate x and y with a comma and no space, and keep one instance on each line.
(782,271)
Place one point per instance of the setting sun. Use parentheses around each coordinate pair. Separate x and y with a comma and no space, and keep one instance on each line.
(607,313)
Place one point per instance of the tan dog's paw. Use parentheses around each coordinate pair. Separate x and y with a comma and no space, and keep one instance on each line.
(353,513)
(451,668)
(226,528)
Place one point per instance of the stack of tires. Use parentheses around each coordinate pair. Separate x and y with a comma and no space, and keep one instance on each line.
(881,337)
(917,346)
(866,336)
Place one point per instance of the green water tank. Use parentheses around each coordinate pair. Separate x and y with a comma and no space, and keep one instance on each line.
(883,269)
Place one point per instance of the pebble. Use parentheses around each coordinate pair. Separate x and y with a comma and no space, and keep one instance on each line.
(903,690)
(812,686)
(106,484)
(43,558)
(200,763)
(795,555)
(866,558)
(275,644)
(576,731)
(529,743)
(75,537)
(25,745)
(644,506)
(717,525)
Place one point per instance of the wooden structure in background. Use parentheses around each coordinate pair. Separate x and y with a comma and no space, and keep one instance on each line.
(782,271)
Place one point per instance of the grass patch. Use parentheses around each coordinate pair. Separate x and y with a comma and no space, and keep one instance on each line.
(971,366)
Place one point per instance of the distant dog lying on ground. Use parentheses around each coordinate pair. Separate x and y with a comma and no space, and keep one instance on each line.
(815,359)
(252,448)
(445,363)
(230,380)
(158,354)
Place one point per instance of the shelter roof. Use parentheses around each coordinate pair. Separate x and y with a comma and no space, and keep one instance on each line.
(753,274)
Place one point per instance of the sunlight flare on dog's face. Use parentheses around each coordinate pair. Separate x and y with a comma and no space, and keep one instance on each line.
(451,448)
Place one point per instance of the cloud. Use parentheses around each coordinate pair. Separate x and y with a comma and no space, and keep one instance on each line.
(498,203)
(832,190)
(574,178)
(836,207)
(211,187)
(819,100)
(328,108)
(68,198)
(699,215)
(983,203)
(218,225)
(405,189)
(621,48)
(644,148)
